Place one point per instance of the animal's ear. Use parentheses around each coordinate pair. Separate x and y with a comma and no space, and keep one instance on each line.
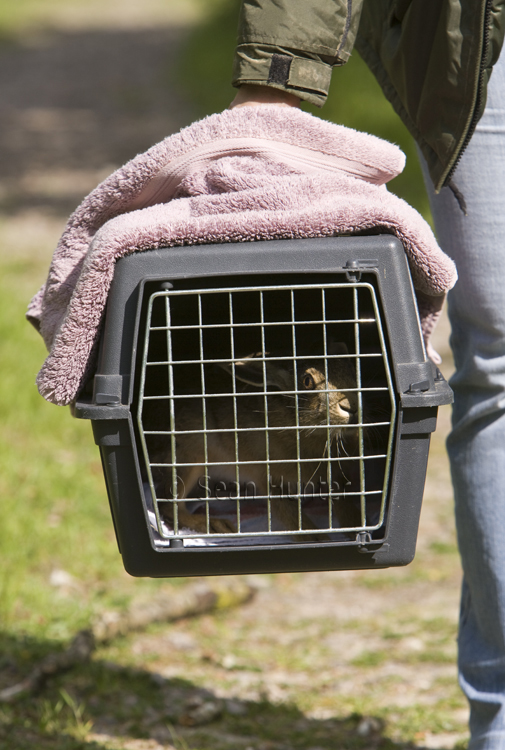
(337,347)
(249,369)
(280,376)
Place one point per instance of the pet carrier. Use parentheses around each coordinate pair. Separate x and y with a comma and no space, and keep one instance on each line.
(264,407)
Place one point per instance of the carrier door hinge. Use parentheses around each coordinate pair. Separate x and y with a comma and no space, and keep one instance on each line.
(355,267)
(421,384)
(414,378)
(110,390)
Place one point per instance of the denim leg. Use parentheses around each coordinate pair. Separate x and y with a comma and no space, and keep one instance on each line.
(476,444)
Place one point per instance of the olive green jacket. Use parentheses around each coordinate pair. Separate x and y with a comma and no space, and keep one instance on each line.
(432,58)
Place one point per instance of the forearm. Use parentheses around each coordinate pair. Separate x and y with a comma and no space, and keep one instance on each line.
(292,45)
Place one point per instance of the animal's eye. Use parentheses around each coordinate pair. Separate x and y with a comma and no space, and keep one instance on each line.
(308,382)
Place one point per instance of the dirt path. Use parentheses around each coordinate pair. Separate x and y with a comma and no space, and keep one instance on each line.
(317,660)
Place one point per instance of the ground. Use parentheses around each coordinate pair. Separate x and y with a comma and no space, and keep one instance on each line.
(317,660)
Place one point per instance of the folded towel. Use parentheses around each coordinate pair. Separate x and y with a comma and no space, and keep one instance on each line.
(251,173)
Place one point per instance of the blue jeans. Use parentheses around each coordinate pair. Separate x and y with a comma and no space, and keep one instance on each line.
(476,444)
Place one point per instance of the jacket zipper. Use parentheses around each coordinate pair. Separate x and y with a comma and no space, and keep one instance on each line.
(346,29)
(478,100)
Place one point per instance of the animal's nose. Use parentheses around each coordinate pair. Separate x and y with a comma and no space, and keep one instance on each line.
(349,408)
(346,406)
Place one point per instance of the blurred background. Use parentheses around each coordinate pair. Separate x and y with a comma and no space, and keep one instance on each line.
(320,660)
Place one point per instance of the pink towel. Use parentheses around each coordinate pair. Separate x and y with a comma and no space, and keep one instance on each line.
(251,173)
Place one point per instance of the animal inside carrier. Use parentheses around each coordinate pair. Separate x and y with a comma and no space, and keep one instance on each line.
(264,406)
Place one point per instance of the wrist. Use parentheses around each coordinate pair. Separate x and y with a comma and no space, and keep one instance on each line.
(251,95)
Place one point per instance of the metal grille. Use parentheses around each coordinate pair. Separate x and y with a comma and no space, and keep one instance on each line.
(265,414)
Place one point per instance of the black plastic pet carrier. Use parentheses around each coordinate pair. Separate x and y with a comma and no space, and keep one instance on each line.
(264,407)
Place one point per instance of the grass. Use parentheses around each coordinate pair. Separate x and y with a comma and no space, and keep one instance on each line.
(17,14)
(55,509)
(19,18)
(52,491)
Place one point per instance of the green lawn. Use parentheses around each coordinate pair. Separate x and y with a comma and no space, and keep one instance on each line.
(55,514)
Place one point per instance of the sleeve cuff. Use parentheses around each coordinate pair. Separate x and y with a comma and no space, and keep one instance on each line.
(307,77)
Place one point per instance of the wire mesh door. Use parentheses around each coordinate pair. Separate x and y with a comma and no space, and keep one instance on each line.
(266,414)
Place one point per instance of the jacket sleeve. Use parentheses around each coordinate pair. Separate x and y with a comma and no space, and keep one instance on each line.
(294,44)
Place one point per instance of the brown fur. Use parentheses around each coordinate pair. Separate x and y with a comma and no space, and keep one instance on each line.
(315,408)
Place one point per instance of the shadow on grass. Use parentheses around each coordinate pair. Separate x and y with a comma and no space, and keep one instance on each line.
(74,105)
(103,705)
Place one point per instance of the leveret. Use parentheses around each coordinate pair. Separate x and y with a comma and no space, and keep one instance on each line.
(308,408)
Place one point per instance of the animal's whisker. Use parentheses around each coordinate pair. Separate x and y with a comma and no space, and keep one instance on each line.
(299,438)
